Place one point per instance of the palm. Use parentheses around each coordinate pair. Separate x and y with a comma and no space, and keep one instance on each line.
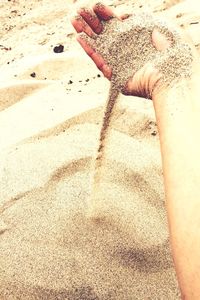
(90,22)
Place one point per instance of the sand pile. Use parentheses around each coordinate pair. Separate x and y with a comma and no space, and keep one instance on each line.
(50,250)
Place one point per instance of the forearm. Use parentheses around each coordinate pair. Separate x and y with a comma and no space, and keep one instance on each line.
(178,117)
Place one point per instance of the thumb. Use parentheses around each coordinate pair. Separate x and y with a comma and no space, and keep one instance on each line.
(160,41)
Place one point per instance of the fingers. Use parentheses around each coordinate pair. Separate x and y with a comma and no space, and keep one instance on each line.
(97,58)
(91,19)
(89,22)
(103,12)
(81,26)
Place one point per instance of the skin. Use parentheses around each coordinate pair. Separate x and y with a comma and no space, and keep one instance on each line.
(177,110)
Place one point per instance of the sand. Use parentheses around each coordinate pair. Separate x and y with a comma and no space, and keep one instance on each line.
(59,254)
(135,34)
(49,135)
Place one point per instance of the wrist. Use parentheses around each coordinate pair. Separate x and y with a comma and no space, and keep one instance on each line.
(162,89)
(181,85)
(143,83)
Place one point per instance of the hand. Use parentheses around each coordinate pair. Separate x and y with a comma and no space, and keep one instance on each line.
(90,21)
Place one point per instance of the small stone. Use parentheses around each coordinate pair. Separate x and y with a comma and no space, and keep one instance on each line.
(33,74)
(87,79)
(58,49)
(154,133)
(70,81)
(179,15)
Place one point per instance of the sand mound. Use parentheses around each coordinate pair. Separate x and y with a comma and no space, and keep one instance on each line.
(50,250)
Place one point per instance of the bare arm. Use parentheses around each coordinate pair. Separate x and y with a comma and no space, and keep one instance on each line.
(178,116)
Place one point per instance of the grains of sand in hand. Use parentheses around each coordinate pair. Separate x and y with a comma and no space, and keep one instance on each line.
(127,46)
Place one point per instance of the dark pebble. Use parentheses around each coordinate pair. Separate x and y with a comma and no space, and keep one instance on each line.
(98,75)
(33,74)
(87,79)
(70,81)
(154,133)
(58,49)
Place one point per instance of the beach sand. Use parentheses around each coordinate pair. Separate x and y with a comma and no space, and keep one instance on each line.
(49,130)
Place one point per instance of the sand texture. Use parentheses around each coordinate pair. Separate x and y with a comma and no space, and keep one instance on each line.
(135,34)
(51,110)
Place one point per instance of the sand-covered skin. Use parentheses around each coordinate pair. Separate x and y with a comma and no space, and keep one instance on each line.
(49,130)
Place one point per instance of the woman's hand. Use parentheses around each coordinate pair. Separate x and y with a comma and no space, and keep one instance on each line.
(90,22)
